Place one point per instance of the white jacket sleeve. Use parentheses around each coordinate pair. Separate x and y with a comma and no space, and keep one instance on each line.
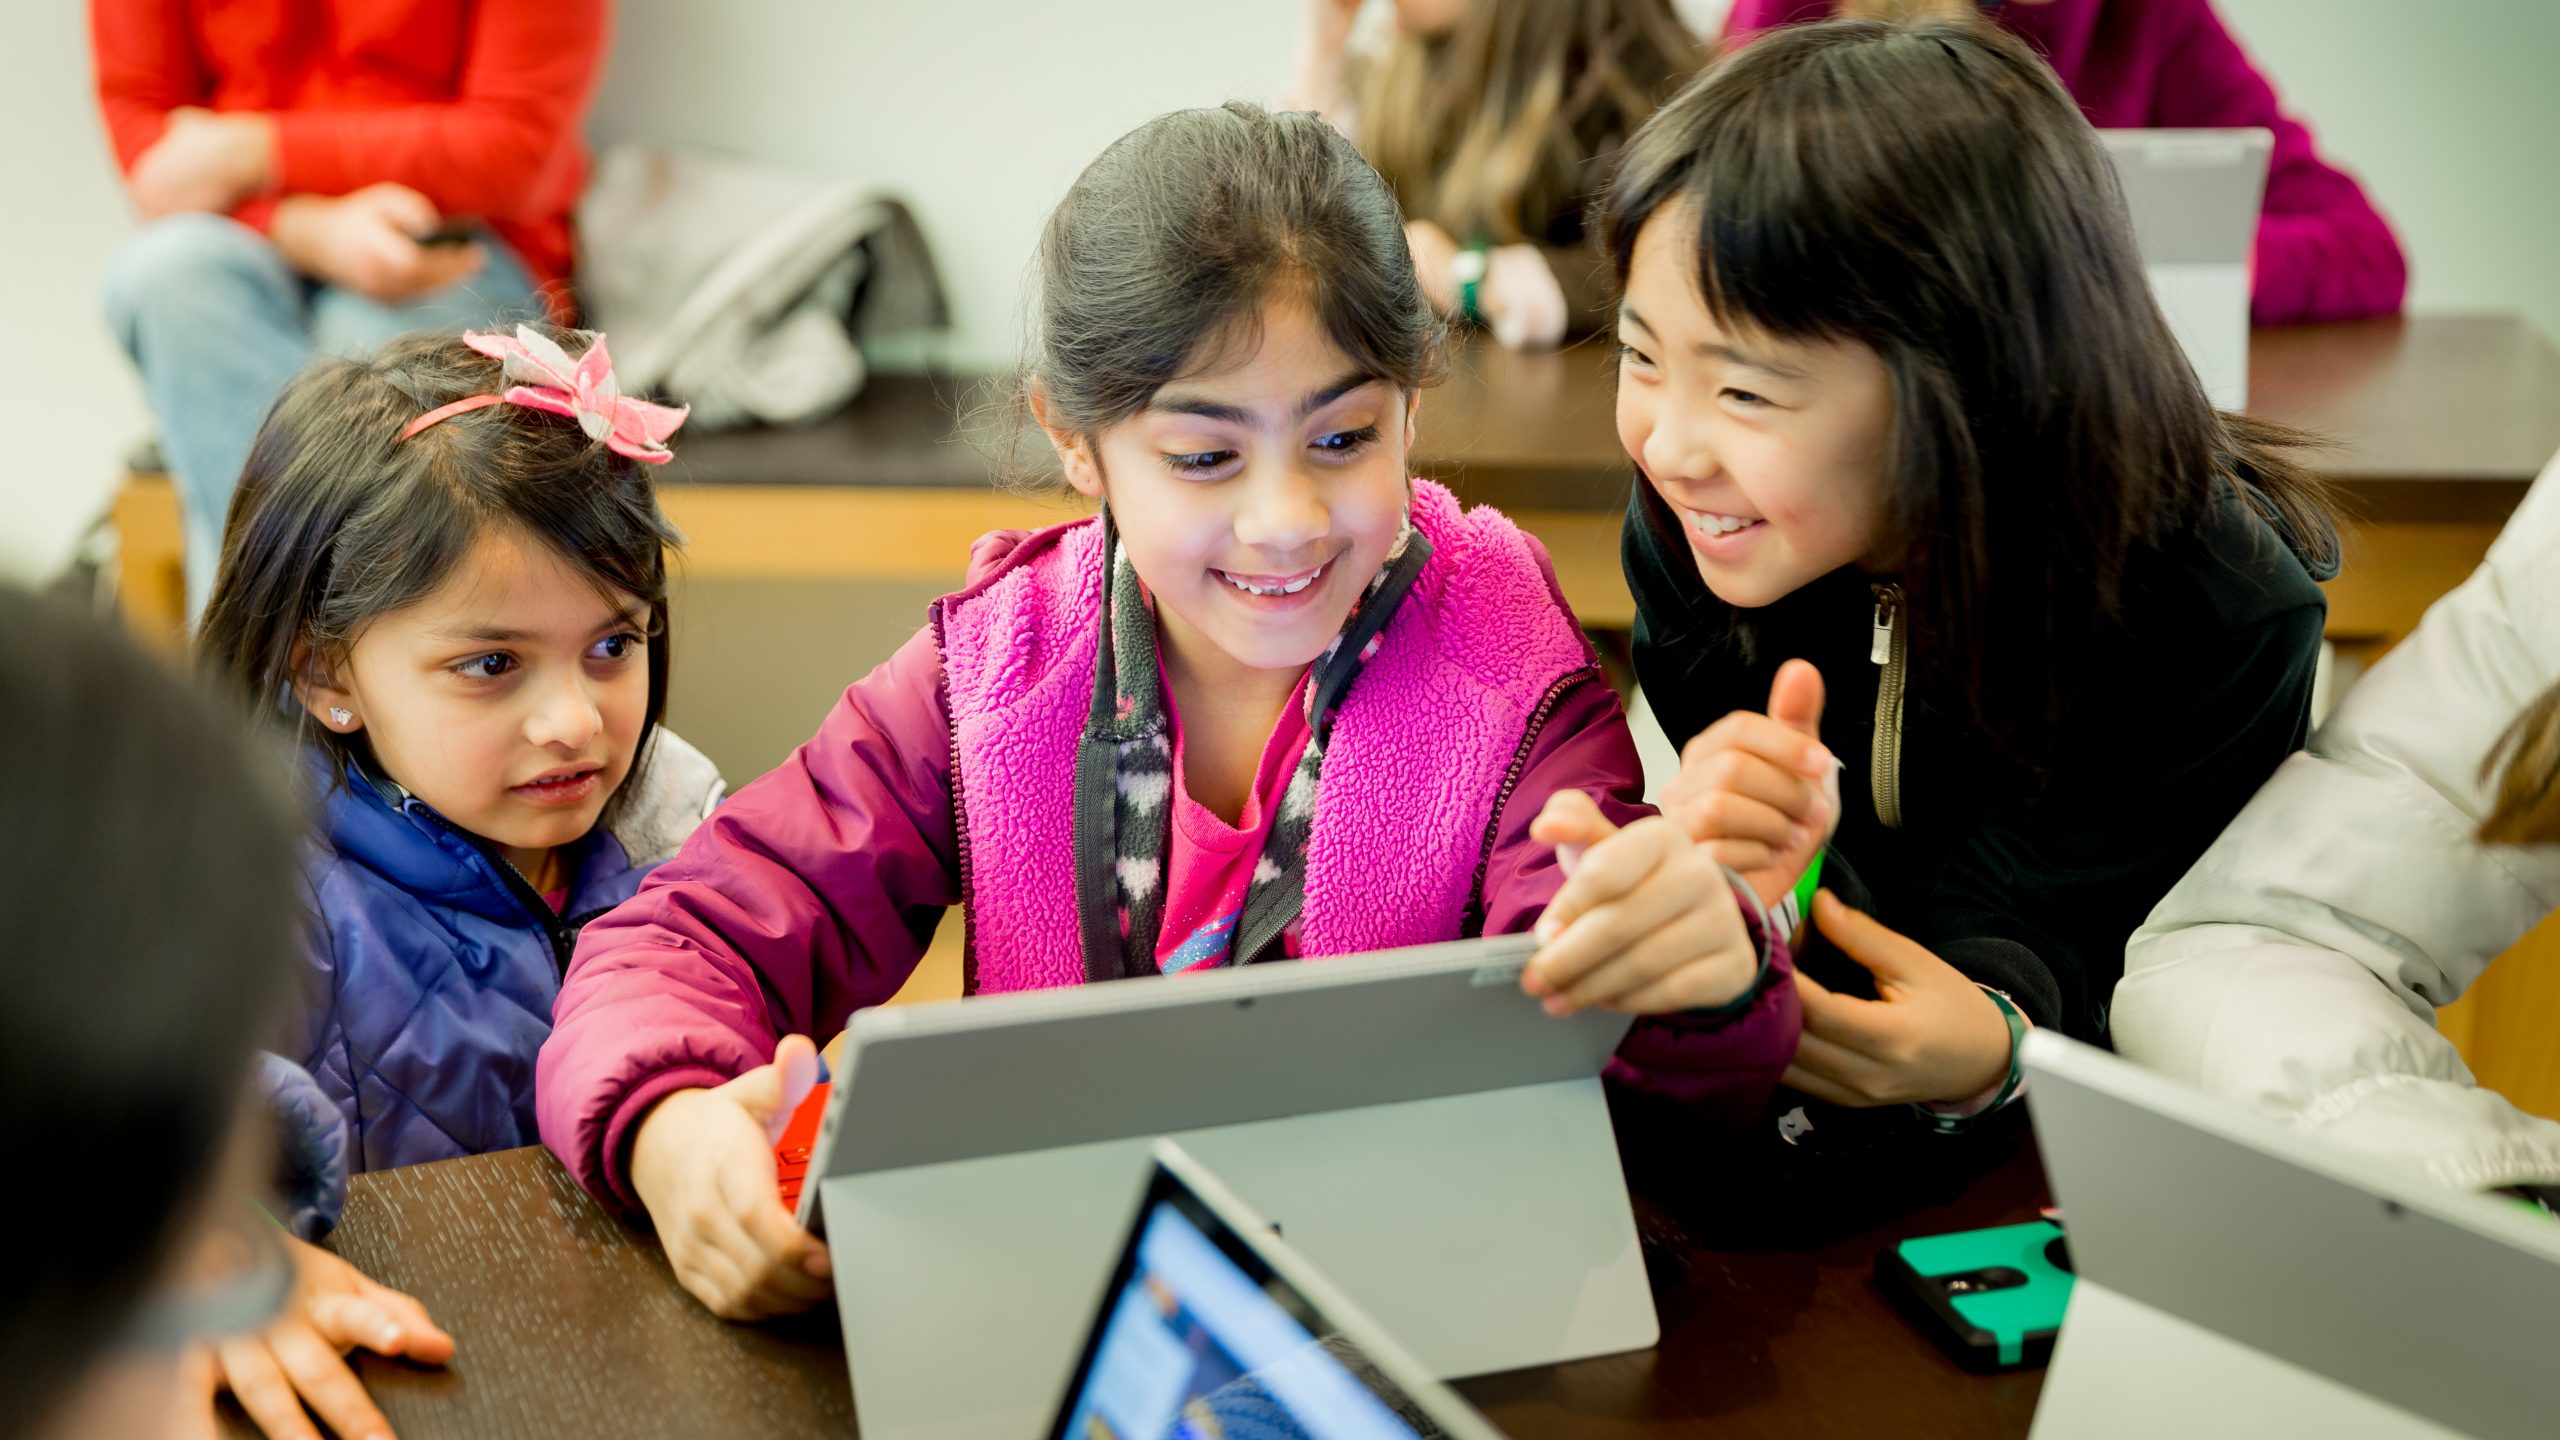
(2298,966)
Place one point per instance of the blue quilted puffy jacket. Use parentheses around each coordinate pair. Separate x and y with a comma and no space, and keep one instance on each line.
(432,964)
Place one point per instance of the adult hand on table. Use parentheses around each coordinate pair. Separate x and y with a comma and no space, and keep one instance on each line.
(296,1368)
(1646,922)
(1761,792)
(1930,1036)
(703,1164)
(366,241)
(203,161)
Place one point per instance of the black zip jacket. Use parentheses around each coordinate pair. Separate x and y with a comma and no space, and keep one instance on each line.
(2029,881)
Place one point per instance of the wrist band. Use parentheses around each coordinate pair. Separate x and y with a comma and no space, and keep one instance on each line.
(1946,1124)
(1467,267)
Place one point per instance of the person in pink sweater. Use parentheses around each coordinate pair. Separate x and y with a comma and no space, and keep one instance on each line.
(2323,251)
(1278,700)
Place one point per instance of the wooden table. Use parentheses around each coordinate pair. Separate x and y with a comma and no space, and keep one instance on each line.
(2439,424)
(569,1323)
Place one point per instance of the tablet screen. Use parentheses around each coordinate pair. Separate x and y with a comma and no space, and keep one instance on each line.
(1201,1342)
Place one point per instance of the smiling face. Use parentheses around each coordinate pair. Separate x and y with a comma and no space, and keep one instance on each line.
(1256,497)
(1772,453)
(511,698)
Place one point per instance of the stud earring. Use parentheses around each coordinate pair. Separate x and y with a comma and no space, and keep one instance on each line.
(341,718)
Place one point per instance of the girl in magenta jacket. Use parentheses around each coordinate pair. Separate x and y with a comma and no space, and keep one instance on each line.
(2323,251)
(1277,700)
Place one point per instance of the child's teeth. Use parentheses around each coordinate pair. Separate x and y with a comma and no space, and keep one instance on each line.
(1292,588)
(1719,524)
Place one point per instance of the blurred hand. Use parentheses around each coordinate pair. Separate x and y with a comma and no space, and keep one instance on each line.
(1521,301)
(1329,25)
(1930,1036)
(203,161)
(365,242)
(1760,791)
(298,1361)
(1432,251)
(703,1164)
(1646,923)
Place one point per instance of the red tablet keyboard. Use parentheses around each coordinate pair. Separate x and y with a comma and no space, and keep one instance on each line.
(791,1152)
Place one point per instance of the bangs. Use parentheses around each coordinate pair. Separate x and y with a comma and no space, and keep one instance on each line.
(1980,200)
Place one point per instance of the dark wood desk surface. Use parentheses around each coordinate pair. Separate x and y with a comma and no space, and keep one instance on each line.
(2433,418)
(569,1322)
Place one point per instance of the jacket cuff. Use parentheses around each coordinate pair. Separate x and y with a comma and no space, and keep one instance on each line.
(614,1160)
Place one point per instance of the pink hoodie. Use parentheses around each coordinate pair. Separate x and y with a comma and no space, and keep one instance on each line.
(813,891)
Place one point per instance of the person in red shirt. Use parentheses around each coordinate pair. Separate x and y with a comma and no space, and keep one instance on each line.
(316,176)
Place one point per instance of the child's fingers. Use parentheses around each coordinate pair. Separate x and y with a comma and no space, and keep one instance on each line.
(1731,815)
(1651,959)
(1820,1087)
(1779,744)
(1699,982)
(1745,856)
(421,1338)
(785,1257)
(1886,953)
(1570,818)
(199,1382)
(1609,870)
(1757,777)
(787,1247)
(795,1067)
(325,1383)
(348,1321)
(715,1277)
(1795,697)
(1841,1019)
(260,1387)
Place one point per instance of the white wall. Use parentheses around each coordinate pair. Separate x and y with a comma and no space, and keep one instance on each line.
(67,398)
(982,110)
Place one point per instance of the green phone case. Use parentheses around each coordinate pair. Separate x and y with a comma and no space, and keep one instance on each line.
(1994,1298)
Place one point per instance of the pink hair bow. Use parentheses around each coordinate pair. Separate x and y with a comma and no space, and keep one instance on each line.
(539,375)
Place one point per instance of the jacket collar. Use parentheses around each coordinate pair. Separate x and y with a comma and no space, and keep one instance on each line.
(373,820)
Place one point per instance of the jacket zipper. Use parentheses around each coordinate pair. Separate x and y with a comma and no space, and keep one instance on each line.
(1472,924)
(1889,645)
(959,816)
(563,936)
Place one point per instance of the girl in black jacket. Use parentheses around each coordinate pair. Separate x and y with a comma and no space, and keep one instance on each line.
(1931,506)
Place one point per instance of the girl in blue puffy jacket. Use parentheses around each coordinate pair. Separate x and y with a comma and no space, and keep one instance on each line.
(445,571)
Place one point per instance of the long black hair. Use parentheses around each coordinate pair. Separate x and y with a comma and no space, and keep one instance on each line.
(1931,192)
(146,927)
(337,521)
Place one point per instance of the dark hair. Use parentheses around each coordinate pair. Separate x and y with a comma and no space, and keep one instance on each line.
(337,521)
(1931,192)
(147,904)
(2525,767)
(1168,244)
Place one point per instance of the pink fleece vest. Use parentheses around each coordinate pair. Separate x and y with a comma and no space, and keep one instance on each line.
(1415,771)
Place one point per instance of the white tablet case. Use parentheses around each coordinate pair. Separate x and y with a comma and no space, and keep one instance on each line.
(2194,197)
(1413,1124)
(2238,1278)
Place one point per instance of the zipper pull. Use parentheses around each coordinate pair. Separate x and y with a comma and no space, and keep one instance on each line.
(1880,641)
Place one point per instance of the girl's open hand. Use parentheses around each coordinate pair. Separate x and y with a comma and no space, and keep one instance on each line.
(1646,923)
(299,1359)
(1930,1037)
(1760,791)
(703,1164)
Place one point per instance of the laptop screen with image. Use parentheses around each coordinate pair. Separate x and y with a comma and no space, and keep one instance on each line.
(1200,1340)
